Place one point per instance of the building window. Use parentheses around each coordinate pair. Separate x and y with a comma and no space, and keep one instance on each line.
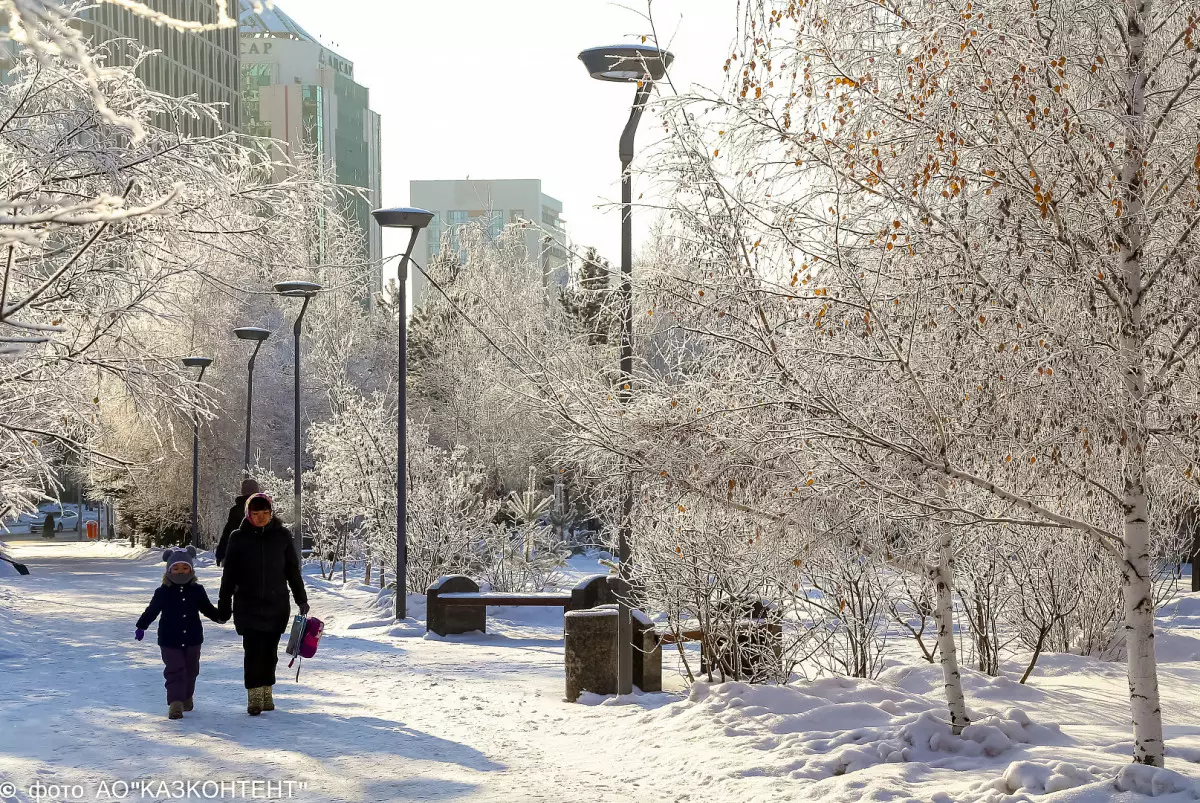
(434,234)
(458,219)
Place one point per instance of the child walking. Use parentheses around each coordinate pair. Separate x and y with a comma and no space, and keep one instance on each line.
(180,600)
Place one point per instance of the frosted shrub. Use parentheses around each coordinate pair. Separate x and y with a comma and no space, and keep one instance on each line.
(527,557)
(848,592)
(727,581)
(985,590)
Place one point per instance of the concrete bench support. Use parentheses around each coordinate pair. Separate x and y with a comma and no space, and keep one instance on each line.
(447,620)
(647,653)
(591,652)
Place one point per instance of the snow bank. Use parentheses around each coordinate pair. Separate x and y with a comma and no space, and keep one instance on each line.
(1185,605)
(1173,646)
(839,726)
(924,737)
(1037,778)
(119,549)
(1155,782)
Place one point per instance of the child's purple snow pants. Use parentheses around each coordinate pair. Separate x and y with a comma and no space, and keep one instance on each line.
(182,667)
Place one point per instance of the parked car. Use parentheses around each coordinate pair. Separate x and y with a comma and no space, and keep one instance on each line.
(63,520)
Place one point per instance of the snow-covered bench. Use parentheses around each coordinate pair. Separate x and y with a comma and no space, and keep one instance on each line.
(454,604)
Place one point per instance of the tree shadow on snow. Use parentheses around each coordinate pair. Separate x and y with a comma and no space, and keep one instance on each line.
(322,736)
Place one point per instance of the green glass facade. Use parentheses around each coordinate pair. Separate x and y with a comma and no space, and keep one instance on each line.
(312,118)
(305,96)
(351,158)
(254,77)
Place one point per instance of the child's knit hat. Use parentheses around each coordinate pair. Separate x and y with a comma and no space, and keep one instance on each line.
(173,556)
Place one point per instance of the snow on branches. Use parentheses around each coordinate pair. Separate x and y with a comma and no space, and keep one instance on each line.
(108,244)
(946,264)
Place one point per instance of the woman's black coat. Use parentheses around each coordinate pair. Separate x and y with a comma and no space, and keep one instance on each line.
(260,564)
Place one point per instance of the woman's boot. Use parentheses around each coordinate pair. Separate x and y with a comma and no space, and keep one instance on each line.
(268,702)
(254,701)
(175,710)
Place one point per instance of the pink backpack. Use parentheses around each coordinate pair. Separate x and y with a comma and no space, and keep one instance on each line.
(306,635)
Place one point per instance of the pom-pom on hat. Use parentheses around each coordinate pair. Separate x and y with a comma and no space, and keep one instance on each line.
(173,556)
(259,501)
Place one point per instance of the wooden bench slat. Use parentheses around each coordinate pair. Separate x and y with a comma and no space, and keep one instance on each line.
(481,599)
(685,635)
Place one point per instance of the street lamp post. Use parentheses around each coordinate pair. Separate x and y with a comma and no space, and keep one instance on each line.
(642,66)
(202,363)
(256,335)
(306,291)
(414,220)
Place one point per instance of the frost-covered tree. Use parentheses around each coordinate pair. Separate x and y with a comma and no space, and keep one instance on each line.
(947,265)
(104,236)
(590,301)
(469,384)
(133,292)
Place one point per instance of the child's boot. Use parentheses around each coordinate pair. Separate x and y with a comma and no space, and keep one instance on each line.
(187,704)
(175,711)
(254,701)
(268,702)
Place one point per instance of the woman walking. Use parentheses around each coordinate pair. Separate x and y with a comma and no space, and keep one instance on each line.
(260,564)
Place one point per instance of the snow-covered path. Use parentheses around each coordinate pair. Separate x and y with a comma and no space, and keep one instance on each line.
(384,713)
(364,723)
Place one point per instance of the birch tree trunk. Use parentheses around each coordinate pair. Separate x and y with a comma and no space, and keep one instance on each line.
(941,572)
(1137,581)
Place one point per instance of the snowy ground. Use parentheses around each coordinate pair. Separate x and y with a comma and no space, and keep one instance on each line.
(384,713)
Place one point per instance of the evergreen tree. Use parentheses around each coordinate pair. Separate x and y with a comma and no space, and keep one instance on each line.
(591,302)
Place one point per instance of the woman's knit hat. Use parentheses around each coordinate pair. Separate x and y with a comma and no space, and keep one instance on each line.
(257,500)
(173,556)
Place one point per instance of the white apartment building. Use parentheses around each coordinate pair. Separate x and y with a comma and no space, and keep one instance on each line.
(499,202)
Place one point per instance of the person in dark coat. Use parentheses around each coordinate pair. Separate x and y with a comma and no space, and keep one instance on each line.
(260,565)
(237,514)
(179,601)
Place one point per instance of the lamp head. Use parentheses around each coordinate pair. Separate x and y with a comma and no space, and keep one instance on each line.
(403,217)
(627,63)
(197,362)
(255,333)
(297,289)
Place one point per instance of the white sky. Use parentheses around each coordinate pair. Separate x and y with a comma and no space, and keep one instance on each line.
(493,89)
